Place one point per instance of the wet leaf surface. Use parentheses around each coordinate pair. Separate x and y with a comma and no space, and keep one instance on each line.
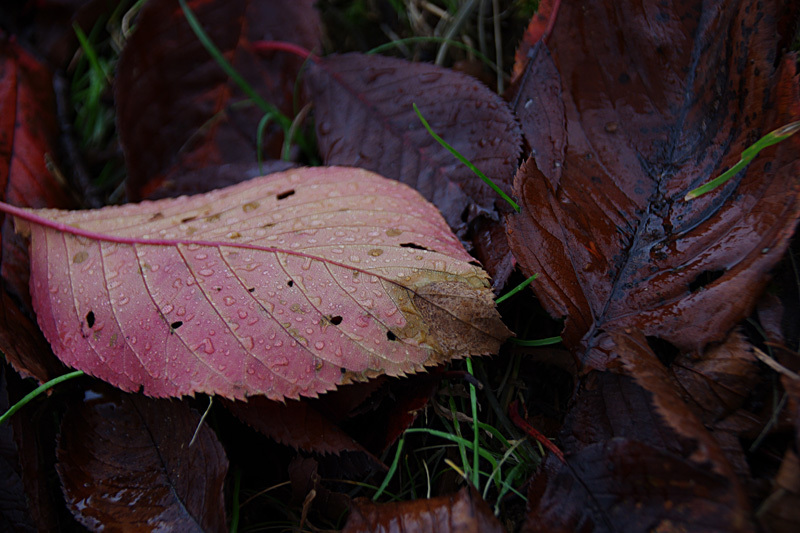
(359,97)
(464,512)
(126,464)
(177,110)
(628,485)
(621,127)
(28,135)
(312,290)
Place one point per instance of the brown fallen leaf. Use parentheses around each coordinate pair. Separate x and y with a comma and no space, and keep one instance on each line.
(358,97)
(178,111)
(285,285)
(622,123)
(464,512)
(126,464)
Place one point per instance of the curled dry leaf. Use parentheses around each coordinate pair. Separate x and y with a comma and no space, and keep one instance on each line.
(285,285)
(126,465)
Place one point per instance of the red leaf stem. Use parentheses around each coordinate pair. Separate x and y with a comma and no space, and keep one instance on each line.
(513,411)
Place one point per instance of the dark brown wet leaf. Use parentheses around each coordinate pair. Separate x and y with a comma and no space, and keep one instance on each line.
(297,424)
(464,512)
(361,97)
(781,511)
(15,514)
(621,125)
(126,464)
(28,135)
(627,485)
(177,110)
(717,382)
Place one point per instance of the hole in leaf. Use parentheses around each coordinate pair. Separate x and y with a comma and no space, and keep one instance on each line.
(284,195)
(251,289)
(90,319)
(414,246)
(707,277)
(664,350)
(343,370)
(290,283)
(391,336)
(336,320)
(187,219)
(176,325)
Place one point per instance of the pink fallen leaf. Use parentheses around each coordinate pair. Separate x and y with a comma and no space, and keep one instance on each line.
(285,285)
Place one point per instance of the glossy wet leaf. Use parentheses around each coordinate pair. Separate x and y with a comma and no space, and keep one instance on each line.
(463,512)
(28,136)
(358,97)
(126,464)
(285,285)
(622,126)
(178,111)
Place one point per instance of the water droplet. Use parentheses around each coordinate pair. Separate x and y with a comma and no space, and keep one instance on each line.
(181,311)
(207,272)
(153,268)
(167,309)
(208,346)
(242,314)
(307,264)
(132,340)
(201,256)
(355,259)
(279,361)
(278,343)
(123,300)
(248,343)
(319,345)
(251,370)
(229,300)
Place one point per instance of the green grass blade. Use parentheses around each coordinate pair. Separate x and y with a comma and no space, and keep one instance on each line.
(536,342)
(212,49)
(473,402)
(464,160)
(392,469)
(773,137)
(36,392)
(516,289)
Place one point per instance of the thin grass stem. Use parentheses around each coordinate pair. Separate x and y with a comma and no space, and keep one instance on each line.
(36,392)
(464,160)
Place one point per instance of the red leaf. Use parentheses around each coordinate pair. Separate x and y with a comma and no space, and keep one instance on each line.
(285,285)
(369,97)
(628,107)
(126,464)
(176,108)
(464,512)
(28,135)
